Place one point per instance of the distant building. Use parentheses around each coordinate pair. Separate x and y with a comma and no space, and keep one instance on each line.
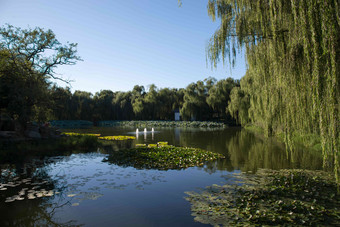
(177,115)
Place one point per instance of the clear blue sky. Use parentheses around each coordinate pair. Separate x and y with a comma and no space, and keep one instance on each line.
(127,42)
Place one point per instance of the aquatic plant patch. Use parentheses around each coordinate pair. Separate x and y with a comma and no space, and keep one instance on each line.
(162,157)
(17,189)
(159,144)
(117,138)
(100,137)
(286,197)
(143,124)
(162,144)
(79,134)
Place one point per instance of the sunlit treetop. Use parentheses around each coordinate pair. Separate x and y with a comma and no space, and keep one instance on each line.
(38,49)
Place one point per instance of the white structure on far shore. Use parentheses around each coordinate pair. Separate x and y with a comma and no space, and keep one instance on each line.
(177,115)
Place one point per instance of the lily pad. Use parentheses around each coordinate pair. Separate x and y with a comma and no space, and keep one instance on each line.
(286,197)
(117,138)
(162,157)
(79,134)
(71,195)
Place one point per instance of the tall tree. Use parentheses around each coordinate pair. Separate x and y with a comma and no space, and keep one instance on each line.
(151,103)
(84,104)
(123,106)
(219,95)
(195,106)
(293,54)
(137,101)
(103,105)
(28,60)
(61,99)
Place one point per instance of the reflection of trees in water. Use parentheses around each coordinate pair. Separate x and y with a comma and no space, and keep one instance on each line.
(249,153)
(214,140)
(306,159)
(238,147)
(40,211)
(221,164)
(109,146)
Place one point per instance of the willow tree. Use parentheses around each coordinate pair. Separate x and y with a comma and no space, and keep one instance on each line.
(219,95)
(195,106)
(293,53)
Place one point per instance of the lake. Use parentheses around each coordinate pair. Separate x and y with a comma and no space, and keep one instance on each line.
(84,189)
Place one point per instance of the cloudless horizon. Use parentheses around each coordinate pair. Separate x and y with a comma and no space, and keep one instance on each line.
(127,43)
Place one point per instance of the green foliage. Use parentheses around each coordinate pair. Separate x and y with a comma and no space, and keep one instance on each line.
(194,102)
(79,134)
(238,105)
(168,101)
(26,70)
(103,108)
(286,197)
(84,105)
(219,95)
(117,138)
(195,105)
(62,107)
(162,157)
(122,106)
(292,83)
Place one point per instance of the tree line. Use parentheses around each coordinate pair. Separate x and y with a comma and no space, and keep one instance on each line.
(28,93)
(204,100)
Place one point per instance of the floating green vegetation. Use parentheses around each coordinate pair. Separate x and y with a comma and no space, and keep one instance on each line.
(162,156)
(17,189)
(159,144)
(100,137)
(286,197)
(162,143)
(79,134)
(117,138)
(185,124)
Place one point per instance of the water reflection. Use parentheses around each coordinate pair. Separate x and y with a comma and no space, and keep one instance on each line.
(249,153)
(110,146)
(60,183)
(73,186)
(29,196)
(244,150)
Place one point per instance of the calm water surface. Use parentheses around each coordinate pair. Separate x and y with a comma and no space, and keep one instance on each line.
(82,189)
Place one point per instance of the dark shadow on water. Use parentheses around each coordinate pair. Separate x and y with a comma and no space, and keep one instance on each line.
(29,196)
